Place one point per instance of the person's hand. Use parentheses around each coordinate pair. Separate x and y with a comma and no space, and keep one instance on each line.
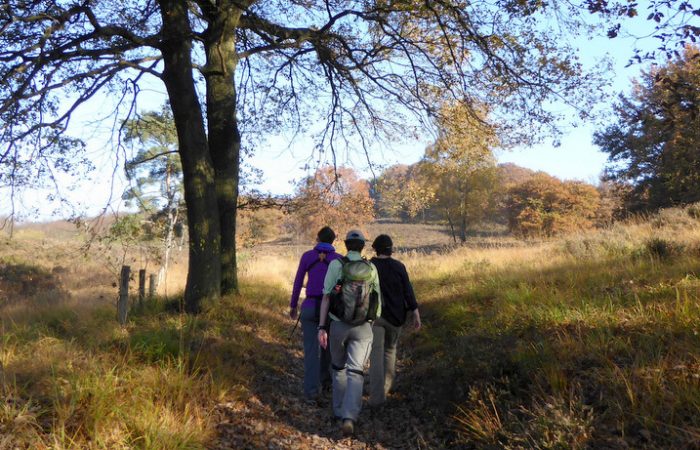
(416,320)
(323,338)
(293,313)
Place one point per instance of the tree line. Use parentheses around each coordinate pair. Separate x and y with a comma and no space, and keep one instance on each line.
(653,163)
(235,70)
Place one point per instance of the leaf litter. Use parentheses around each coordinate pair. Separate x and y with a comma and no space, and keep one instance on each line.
(275,415)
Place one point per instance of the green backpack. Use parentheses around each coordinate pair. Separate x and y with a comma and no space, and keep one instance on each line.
(352,300)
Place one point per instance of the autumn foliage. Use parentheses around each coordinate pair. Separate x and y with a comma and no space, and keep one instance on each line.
(259,225)
(332,196)
(402,191)
(547,206)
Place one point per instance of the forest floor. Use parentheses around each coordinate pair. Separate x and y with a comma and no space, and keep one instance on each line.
(276,416)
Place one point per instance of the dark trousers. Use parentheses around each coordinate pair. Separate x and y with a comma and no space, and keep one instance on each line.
(317,361)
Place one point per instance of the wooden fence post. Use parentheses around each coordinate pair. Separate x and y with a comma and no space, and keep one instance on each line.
(152,285)
(142,286)
(123,303)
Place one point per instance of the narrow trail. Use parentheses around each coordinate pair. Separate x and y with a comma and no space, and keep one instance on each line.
(275,416)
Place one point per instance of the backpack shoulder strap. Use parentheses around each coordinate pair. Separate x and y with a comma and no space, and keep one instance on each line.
(343,260)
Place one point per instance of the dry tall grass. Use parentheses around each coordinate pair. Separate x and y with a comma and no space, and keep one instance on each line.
(586,341)
(583,341)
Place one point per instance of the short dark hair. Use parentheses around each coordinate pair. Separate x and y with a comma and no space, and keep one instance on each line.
(383,245)
(355,245)
(326,234)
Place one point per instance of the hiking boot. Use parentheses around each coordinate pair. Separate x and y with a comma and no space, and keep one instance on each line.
(326,387)
(311,401)
(335,420)
(348,427)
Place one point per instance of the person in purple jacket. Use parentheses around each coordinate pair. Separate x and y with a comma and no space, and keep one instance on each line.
(313,263)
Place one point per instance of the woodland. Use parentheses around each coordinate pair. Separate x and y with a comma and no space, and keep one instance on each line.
(557,313)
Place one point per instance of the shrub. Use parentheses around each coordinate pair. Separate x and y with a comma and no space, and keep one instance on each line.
(545,206)
(661,248)
(581,248)
(19,281)
(675,218)
(694,211)
(259,225)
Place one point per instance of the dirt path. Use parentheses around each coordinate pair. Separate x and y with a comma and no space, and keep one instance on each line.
(275,416)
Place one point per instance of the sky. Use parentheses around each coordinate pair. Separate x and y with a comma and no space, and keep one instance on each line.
(575,158)
(282,165)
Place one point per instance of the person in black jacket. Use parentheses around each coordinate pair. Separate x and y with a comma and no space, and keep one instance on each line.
(398,300)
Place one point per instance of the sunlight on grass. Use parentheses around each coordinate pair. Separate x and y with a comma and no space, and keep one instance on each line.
(75,379)
(583,341)
(593,335)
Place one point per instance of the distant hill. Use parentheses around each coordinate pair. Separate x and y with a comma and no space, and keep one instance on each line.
(511,174)
(62,229)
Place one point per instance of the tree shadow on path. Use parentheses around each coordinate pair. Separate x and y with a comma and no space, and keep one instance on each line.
(275,414)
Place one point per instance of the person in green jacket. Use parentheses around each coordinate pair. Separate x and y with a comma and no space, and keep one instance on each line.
(349,344)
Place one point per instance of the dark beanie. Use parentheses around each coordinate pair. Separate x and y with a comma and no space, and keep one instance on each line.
(327,235)
(382,244)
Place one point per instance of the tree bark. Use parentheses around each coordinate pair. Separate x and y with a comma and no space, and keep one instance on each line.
(169,238)
(452,227)
(462,190)
(224,136)
(204,271)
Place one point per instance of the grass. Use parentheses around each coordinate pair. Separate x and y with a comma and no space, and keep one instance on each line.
(82,381)
(72,377)
(76,379)
(584,341)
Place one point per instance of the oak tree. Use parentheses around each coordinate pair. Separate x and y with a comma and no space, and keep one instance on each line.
(543,205)
(237,69)
(401,191)
(461,168)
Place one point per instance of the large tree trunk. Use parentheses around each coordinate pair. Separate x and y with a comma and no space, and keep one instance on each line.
(224,137)
(204,271)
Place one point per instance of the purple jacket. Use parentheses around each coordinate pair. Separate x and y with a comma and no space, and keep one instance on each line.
(311,263)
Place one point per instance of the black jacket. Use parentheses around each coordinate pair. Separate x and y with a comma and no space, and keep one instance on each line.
(397,292)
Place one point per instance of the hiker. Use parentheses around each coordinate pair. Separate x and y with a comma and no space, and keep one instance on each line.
(351,300)
(397,300)
(313,263)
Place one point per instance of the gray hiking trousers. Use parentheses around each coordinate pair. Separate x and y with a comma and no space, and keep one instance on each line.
(382,363)
(350,347)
